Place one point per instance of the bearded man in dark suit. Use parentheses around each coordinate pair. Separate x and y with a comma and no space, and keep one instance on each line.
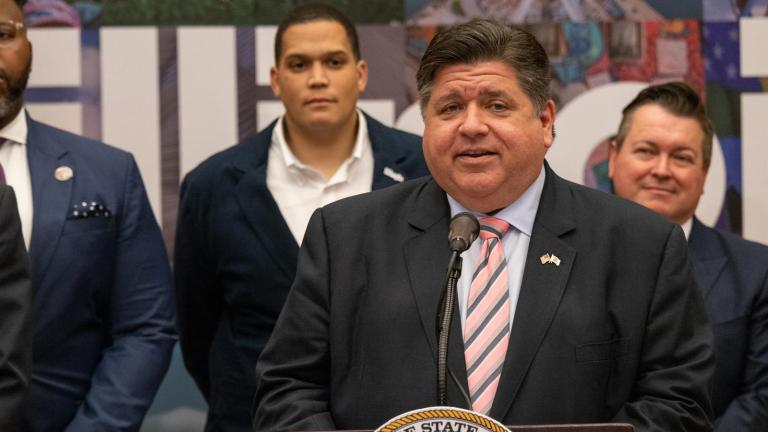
(102,312)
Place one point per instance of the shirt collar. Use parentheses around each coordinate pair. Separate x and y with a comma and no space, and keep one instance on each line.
(520,214)
(16,130)
(278,138)
(686,226)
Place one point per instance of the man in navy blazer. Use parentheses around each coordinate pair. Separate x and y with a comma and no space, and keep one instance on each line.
(243,212)
(103,311)
(660,159)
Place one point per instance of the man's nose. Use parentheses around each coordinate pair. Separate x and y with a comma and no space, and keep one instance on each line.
(660,167)
(317,75)
(473,124)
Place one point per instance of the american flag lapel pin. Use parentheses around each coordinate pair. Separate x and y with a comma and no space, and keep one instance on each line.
(548,258)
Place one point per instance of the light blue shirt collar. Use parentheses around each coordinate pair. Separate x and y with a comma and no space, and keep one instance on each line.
(520,214)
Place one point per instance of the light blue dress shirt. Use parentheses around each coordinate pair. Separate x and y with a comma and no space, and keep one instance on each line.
(520,215)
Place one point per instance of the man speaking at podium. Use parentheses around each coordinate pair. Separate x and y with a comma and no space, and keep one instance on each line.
(573,307)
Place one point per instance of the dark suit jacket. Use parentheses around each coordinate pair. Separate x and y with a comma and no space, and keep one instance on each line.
(733,275)
(15,305)
(103,307)
(617,331)
(235,260)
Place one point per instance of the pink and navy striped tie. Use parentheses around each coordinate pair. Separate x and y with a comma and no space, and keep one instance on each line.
(486,328)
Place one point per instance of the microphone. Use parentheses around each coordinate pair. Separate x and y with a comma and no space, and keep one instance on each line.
(462,231)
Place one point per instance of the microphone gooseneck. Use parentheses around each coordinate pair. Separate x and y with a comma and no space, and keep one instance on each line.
(463,230)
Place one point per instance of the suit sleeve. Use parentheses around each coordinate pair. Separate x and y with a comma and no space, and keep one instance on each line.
(677,361)
(293,371)
(198,305)
(141,323)
(749,411)
(15,300)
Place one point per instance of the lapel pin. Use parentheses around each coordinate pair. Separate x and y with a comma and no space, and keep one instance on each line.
(63,173)
(550,259)
(394,175)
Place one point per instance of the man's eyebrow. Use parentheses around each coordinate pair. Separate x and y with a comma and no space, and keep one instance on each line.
(684,146)
(334,53)
(647,142)
(294,56)
(326,54)
(448,97)
(500,95)
(685,149)
(485,94)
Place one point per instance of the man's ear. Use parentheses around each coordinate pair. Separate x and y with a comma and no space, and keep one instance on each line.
(547,118)
(362,75)
(613,151)
(273,80)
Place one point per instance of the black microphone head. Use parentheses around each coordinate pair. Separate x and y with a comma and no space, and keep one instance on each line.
(462,231)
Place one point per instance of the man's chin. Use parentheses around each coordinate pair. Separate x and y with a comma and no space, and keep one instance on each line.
(659,207)
(323,122)
(8,108)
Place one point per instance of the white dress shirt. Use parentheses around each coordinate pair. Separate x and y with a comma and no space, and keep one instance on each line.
(520,215)
(13,157)
(300,189)
(686,226)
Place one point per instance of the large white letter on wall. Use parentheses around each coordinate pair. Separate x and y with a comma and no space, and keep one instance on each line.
(754,130)
(207,92)
(130,108)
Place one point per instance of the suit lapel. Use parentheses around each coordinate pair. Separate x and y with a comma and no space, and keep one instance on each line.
(426,256)
(259,206)
(50,198)
(386,156)
(425,260)
(708,259)
(541,290)
(261,209)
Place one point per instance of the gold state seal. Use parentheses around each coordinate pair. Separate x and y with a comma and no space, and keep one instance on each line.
(442,419)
